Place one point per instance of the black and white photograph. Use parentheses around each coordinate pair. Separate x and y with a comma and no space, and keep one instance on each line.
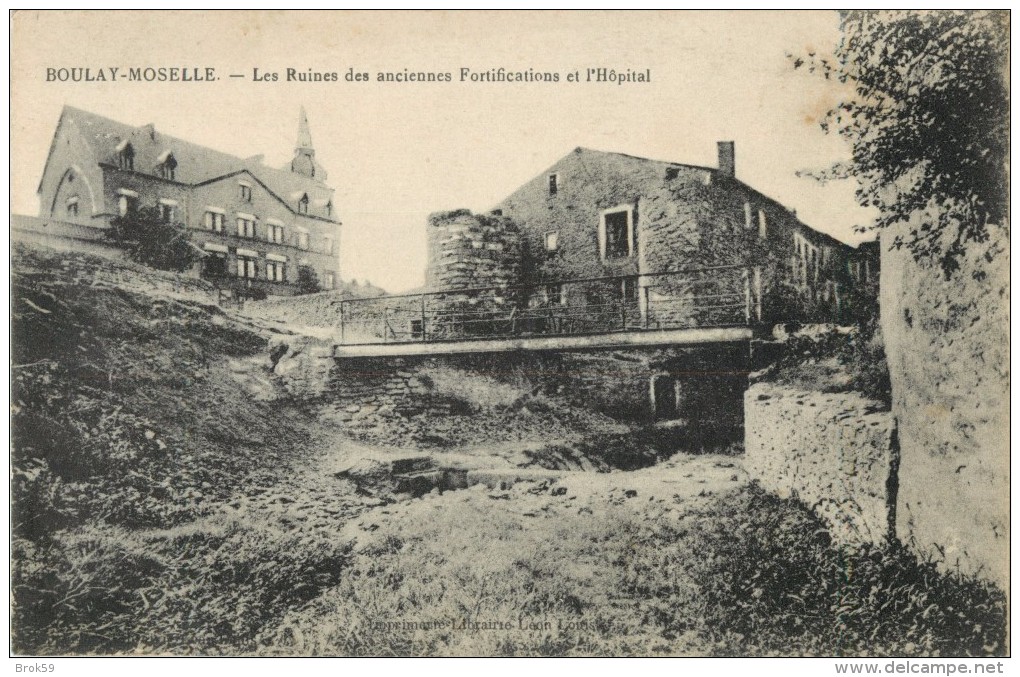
(511,334)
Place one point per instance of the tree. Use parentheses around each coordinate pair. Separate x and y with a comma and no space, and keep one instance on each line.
(928,123)
(148,238)
(307,280)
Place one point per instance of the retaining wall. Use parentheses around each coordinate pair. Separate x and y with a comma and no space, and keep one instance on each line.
(833,451)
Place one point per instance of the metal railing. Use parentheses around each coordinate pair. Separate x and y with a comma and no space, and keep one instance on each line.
(720,296)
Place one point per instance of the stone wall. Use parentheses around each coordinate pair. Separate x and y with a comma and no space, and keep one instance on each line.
(63,236)
(947,343)
(472,250)
(468,251)
(302,364)
(683,218)
(83,264)
(364,392)
(310,310)
(833,451)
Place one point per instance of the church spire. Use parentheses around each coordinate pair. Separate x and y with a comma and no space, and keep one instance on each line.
(304,153)
(304,135)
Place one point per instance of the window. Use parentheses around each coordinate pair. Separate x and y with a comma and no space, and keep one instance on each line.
(302,205)
(554,184)
(213,221)
(302,240)
(327,245)
(807,258)
(245,192)
(166,212)
(617,234)
(245,226)
(329,208)
(274,233)
(552,241)
(762,226)
(72,206)
(276,271)
(555,294)
(629,290)
(246,267)
(748,217)
(328,281)
(126,156)
(126,204)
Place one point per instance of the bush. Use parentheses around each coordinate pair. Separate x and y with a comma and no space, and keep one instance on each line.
(863,355)
(149,239)
(308,280)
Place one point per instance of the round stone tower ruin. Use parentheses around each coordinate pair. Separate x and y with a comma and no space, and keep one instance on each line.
(477,252)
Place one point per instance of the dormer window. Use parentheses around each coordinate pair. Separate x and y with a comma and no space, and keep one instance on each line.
(302,205)
(554,184)
(126,156)
(166,165)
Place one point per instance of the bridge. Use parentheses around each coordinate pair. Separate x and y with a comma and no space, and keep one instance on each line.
(710,305)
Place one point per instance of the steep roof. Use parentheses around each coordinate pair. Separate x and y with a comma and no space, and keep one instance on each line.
(195,164)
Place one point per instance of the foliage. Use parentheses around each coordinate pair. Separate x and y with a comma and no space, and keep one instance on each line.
(836,360)
(928,122)
(741,574)
(863,356)
(308,280)
(149,239)
(774,581)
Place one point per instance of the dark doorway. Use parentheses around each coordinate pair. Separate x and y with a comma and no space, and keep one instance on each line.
(664,398)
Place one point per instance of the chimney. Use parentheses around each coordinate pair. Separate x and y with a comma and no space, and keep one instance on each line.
(727,159)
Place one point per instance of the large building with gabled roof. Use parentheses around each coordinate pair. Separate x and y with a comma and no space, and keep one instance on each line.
(255,224)
(599,214)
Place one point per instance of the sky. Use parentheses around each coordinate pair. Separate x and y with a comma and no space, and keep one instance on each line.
(397,151)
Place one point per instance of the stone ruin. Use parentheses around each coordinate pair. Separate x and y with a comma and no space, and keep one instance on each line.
(480,252)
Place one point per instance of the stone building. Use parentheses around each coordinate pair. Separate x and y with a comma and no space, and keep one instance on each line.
(255,224)
(597,214)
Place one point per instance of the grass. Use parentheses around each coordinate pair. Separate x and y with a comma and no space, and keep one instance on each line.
(742,574)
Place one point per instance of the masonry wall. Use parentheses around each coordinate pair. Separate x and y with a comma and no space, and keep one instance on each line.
(947,343)
(706,402)
(70,154)
(323,241)
(684,217)
(62,236)
(833,451)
